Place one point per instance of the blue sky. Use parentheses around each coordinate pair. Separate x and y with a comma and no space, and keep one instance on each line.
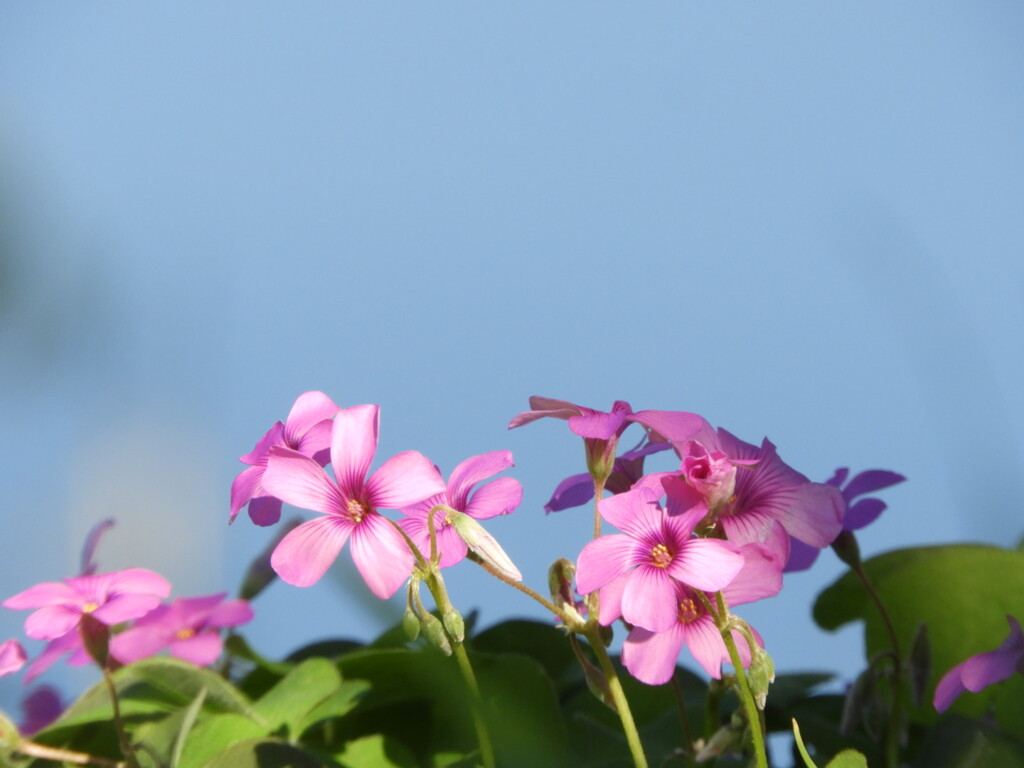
(799,220)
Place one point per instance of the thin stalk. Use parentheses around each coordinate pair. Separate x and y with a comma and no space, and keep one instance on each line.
(618,696)
(892,735)
(127,751)
(749,706)
(598,493)
(684,723)
(522,588)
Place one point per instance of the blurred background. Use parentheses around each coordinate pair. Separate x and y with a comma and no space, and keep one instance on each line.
(799,220)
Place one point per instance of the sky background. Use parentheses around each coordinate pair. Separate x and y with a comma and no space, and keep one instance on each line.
(799,220)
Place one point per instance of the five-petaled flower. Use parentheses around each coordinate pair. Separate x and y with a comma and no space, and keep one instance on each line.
(188,627)
(498,497)
(306,430)
(349,504)
(656,551)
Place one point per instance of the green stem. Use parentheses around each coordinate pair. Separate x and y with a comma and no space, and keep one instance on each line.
(892,735)
(522,588)
(126,745)
(598,493)
(749,705)
(618,696)
(684,723)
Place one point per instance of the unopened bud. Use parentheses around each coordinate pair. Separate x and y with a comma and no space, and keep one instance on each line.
(410,624)
(454,625)
(760,675)
(483,545)
(920,663)
(95,637)
(434,633)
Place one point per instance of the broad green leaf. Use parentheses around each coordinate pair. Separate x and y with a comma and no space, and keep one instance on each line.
(164,738)
(214,734)
(301,690)
(961,592)
(957,742)
(339,703)
(848,758)
(375,752)
(264,753)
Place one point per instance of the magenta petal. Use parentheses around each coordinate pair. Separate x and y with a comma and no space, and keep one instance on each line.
(125,607)
(801,556)
(301,482)
(72,641)
(611,600)
(572,492)
(602,560)
(760,576)
(871,480)
(635,511)
(600,426)
(310,408)
(949,688)
(381,555)
(649,599)
(136,643)
(451,546)
(305,554)
(137,580)
(258,455)
(472,471)
(230,614)
(244,488)
(47,593)
(862,513)
(316,442)
(353,445)
(403,480)
(12,657)
(676,426)
(498,497)
(706,645)
(202,649)
(265,510)
(52,621)
(651,657)
(707,564)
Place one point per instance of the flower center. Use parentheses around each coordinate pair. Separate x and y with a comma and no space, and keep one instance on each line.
(185,634)
(660,556)
(90,607)
(355,510)
(688,611)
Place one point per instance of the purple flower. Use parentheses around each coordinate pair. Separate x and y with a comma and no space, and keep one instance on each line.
(306,430)
(12,657)
(71,643)
(349,504)
(600,430)
(656,551)
(110,598)
(40,708)
(579,489)
(188,627)
(498,497)
(651,656)
(859,512)
(984,669)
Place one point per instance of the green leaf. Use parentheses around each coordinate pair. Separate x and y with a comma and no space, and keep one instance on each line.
(961,592)
(957,742)
(301,690)
(848,758)
(264,753)
(375,752)
(216,733)
(800,746)
(339,703)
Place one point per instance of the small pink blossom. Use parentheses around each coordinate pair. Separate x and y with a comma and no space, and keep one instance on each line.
(12,657)
(497,497)
(306,430)
(188,627)
(984,669)
(110,598)
(656,551)
(651,656)
(577,490)
(70,643)
(349,504)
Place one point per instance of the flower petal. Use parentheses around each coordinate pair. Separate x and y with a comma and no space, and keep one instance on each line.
(708,564)
(12,657)
(244,488)
(706,645)
(52,621)
(381,555)
(310,408)
(649,599)
(498,497)
(651,657)
(353,446)
(47,593)
(403,480)
(202,649)
(316,442)
(137,643)
(305,554)
(265,510)
(472,471)
(125,607)
(600,426)
(301,482)
(258,455)
(572,492)
(230,614)
(870,481)
(602,560)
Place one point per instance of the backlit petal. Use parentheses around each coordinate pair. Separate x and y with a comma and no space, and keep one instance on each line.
(381,555)
(403,480)
(353,445)
(305,554)
(301,482)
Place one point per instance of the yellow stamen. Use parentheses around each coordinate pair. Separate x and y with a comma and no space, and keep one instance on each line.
(355,510)
(185,634)
(660,556)
(90,607)
(688,611)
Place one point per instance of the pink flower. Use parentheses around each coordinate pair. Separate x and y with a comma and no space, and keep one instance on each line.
(656,551)
(307,430)
(12,657)
(498,497)
(858,514)
(651,656)
(188,627)
(984,669)
(71,643)
(349,504)
(600,431)
(110,598)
